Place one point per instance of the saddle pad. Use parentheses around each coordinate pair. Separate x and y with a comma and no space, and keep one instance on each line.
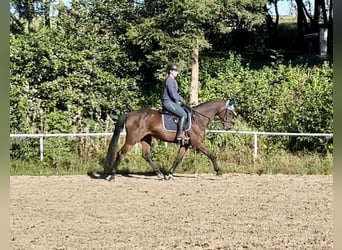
(170,125)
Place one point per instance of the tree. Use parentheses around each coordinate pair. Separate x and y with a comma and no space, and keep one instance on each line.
(308,24)
(29,10)
(24,9)
(177,30)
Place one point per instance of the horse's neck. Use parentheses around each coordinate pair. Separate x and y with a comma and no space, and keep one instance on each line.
(210,109)
(207,112)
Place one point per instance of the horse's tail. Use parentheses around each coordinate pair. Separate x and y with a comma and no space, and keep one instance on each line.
(110,158)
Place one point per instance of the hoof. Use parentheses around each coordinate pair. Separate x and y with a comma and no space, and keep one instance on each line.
(110,178)
(161,176)
(218,174)
(169,177)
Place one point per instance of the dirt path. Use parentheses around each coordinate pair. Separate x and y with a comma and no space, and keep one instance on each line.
(191,212)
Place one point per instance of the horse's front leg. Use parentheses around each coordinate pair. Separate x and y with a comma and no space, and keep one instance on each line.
(212,158)
(181,152)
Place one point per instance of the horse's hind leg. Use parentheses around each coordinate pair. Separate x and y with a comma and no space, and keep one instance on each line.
(181,152)
(125,148)
(146,154)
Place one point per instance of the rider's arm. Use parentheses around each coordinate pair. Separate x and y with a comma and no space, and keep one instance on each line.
(172,89)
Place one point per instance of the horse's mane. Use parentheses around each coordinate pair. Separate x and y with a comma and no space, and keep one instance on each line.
(204,103)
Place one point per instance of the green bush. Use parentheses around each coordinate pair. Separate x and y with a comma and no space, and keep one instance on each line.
(277,98)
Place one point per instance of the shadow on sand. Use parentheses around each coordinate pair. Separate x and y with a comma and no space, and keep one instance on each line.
(151,176)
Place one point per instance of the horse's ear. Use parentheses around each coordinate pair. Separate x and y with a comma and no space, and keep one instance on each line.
(230,102)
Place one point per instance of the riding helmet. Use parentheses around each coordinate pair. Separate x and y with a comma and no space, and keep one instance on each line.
(172,66)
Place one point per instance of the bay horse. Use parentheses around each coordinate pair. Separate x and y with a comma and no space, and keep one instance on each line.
(143,124)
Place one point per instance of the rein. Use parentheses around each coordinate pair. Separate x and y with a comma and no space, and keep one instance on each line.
(229,106)
(195,111)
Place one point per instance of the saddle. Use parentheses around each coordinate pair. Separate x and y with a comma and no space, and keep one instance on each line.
(170,120)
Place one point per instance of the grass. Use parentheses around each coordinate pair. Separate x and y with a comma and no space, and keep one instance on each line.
(229,161)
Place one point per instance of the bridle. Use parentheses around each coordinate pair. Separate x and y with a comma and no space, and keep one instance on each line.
(229,106)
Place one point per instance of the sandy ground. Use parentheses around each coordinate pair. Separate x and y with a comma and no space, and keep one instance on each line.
(190,212)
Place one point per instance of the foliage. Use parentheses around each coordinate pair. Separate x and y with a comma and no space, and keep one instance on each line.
(99,59)
(47,76)
(170,31)
(278,98)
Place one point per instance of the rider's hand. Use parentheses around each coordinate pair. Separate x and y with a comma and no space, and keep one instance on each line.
(181,102)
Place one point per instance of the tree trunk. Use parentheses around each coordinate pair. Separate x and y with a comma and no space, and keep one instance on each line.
(272,27)
(277,14)
(194,78)
(324,13)
(316,42)
(323,41)
(47,13)
(330,28)
(29,15)
(302,25)
(317,14)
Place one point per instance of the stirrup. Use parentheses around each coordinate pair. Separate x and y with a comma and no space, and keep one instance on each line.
(182,137)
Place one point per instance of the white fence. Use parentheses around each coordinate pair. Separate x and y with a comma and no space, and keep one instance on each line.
(254,133)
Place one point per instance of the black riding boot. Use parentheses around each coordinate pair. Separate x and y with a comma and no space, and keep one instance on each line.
(180,125)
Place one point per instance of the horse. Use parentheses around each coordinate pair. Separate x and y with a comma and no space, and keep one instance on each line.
(143,124)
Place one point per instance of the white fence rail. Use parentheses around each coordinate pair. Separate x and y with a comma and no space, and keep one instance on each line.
(254,133)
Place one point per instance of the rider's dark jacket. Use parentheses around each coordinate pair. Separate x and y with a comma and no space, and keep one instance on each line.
(171,90)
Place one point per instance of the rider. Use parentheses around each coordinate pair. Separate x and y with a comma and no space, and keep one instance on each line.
(172,100)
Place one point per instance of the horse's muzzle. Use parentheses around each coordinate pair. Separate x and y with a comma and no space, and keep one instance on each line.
(228,125)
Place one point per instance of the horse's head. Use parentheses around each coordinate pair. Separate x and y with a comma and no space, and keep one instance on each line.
(227,114)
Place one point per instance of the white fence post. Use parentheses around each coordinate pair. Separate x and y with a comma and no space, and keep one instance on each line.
(255,155)
(41,148)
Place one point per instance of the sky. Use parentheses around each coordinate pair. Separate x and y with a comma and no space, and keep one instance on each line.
(284,7)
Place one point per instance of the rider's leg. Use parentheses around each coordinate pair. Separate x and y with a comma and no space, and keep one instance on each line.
(180,128)
(177,110)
